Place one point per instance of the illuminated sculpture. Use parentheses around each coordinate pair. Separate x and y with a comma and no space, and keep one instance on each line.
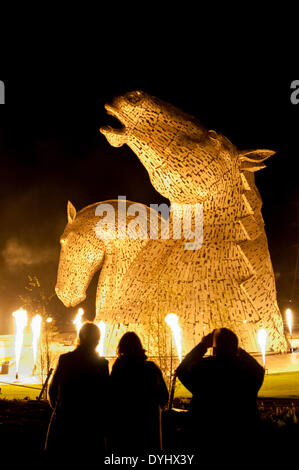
(228,281)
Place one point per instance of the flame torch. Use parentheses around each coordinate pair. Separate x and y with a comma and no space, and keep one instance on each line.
(100,346)
(262,342)
(289,323)
(21,320)
(36,327)
(172,321)
(78,320)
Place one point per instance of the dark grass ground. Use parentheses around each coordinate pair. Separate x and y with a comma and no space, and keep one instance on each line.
(23,426)
(24,422)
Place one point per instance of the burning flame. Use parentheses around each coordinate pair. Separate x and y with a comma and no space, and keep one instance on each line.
(20,322)
(36,327)
(78,320)
(289,319)
(172,321)
(100,346)
(262,341)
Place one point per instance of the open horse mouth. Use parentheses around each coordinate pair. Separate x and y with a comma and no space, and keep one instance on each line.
(115,135)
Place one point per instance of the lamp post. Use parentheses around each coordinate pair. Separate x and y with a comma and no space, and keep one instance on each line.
(48,321)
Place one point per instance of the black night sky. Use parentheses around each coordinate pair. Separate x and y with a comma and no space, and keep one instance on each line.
(51,151)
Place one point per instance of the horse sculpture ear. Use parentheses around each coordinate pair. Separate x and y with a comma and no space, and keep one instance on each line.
(252,160)
(71,212)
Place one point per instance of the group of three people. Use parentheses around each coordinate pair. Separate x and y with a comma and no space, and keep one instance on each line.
(121,412)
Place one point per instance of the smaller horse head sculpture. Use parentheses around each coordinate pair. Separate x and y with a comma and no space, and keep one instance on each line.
(81,255)
(104,236)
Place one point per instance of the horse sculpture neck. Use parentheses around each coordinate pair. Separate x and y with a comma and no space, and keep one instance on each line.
(233,215)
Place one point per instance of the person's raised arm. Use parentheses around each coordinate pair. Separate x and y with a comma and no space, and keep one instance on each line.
(185,370)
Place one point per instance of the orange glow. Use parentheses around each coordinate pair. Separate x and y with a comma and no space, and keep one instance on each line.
(21,320)
(172,321)
(36,327)
(262,342)
(78,320)
(100,347)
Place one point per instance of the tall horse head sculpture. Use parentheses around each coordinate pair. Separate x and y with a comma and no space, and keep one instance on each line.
(232,275)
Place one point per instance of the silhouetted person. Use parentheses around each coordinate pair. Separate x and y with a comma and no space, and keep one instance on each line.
(78,395)
(223,409)
(138,394)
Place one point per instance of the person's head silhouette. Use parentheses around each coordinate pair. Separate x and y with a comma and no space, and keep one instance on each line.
(130,346)
(89,335)
(225,343)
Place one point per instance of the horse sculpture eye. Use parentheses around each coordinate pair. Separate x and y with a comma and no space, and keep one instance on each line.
(213,135)
(134,97)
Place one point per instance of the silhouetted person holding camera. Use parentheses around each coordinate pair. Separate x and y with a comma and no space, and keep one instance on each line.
(223,410)
(78,395)
(138,394)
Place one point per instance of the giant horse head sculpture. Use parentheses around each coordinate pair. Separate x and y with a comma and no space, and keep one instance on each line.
(186,162)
